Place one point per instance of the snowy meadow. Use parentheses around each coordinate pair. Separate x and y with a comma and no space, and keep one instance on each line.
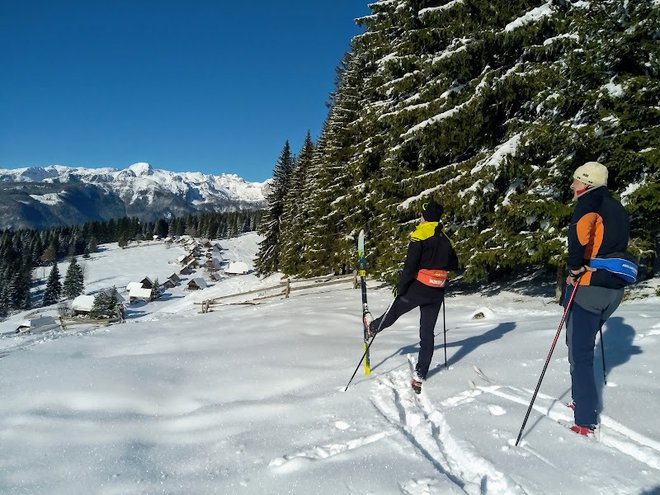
(249,398)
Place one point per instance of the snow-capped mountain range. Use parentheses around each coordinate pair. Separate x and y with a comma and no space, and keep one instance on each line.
(42,197)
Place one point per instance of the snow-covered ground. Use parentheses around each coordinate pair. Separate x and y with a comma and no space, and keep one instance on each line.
(249,398)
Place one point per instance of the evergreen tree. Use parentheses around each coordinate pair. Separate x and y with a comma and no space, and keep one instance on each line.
(105,305)
(5,302)
(122,241)
(115,308)
(155,290)
(73,281)
(489,110)
(36,247)
(53,287)
(162,228)
(100,306)
(267,260)
(19,289)
(92,245)
(330,180)
(294,220)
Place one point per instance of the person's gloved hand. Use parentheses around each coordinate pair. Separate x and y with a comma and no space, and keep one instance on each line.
(574,275)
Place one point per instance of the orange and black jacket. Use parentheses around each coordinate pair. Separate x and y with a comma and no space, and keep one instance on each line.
(599,228)
(429,249)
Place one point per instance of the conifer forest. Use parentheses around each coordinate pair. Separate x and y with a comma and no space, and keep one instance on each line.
(23,250)
(487,107)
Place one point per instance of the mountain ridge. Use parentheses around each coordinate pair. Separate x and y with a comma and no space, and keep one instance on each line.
(45,197)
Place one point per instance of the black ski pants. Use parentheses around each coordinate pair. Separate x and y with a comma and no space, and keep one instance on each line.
(429,301)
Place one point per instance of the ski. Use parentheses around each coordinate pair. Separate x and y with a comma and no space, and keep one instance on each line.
(362,271)
(553,412)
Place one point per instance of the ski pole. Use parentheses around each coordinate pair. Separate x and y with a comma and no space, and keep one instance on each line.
(547,361)
(360,363)
(444,328)
(602,352)
(369,344)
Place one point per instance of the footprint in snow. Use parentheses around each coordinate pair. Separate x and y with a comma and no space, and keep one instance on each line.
(462,398)
(496,410)
(427,486)
(653,330)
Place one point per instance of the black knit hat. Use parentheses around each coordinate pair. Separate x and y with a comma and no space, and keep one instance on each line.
(431,211)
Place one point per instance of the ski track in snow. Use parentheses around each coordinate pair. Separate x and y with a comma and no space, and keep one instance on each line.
(292,462)
(425,427)
(460,467)
(26,340)
(611,433)
(418,421)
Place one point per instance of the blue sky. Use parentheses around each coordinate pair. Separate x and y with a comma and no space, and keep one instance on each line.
(191,85)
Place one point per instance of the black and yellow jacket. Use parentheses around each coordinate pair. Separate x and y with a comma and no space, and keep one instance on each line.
(429,249)
(599,227)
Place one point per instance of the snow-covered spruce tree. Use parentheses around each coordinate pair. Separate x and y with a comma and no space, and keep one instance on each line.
(335,193)
(311,246)
(620,114)
(294,222)
(488,107)
(594,101)
(53,287)
(74,283)
(101,306)
(448,108)
(378,65)
(395,71)
(267,260)
(156,290)
(105,304)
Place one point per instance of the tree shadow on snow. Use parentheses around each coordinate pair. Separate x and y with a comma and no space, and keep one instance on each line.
(130,314)
(466,346)
(617,341)
(403,351)
(167,296)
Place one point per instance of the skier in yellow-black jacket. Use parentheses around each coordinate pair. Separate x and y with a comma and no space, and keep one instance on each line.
(422,284)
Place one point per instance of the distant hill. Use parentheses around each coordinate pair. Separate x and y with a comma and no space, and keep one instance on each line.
(37,197)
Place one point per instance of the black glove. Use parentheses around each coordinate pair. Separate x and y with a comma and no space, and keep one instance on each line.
(576,272)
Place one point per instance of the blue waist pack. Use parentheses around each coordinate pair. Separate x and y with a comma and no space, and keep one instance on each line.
(622,265)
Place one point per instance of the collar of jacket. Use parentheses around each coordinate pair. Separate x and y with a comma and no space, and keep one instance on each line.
(424,231)
(592,189)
